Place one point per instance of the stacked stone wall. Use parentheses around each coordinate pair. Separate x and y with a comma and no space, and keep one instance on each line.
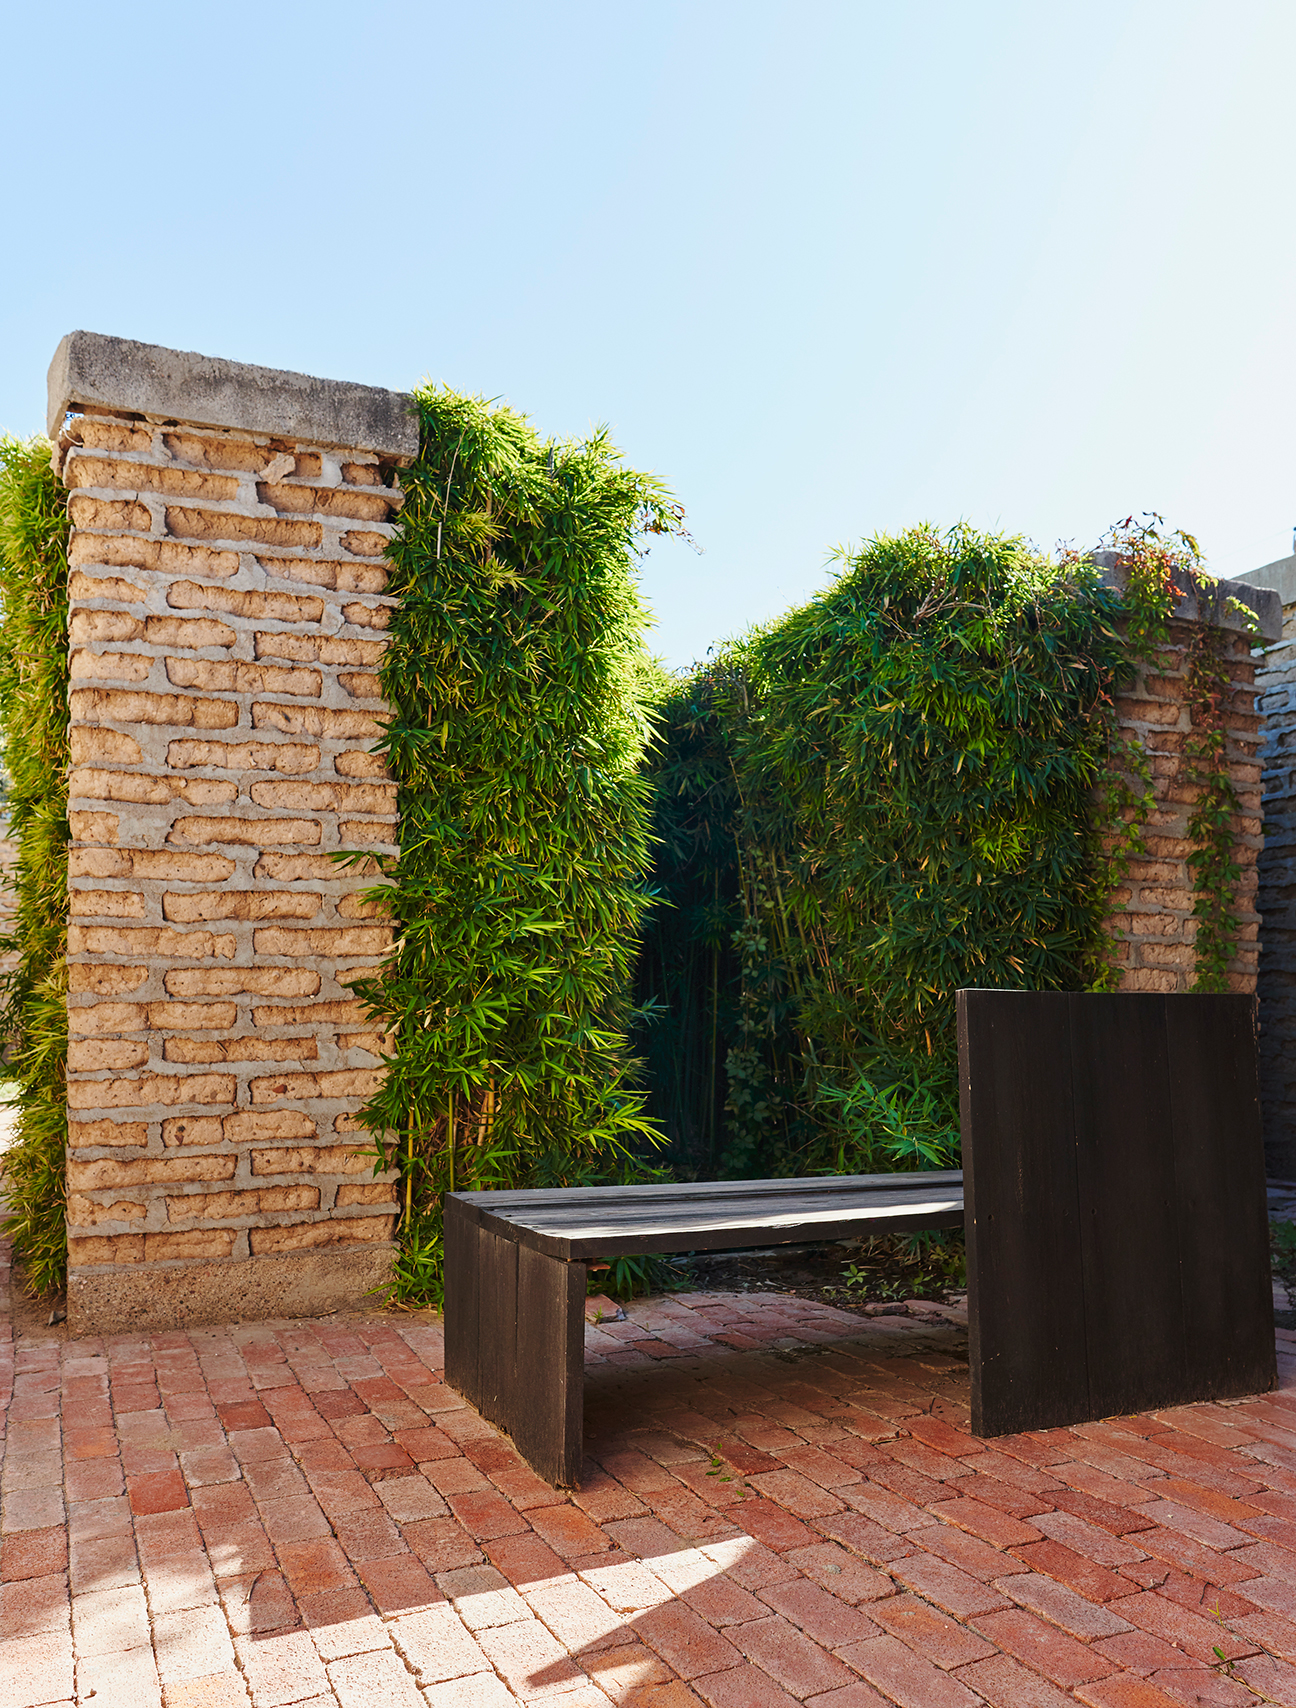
(1154,935)
(226,622)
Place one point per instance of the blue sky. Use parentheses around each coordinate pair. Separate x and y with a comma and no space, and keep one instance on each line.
(828,269)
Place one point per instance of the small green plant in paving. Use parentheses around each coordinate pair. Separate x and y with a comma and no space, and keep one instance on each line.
(1282,1247)
(901,1267)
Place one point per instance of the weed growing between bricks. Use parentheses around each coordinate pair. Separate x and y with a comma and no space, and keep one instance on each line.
(34,721)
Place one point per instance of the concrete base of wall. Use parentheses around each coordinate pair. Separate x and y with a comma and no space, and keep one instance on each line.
(156,1297)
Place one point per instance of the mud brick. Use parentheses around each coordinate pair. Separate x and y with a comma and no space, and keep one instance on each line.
(905,1677)
(1119,1520)
(948,1587)
(1044,1648)
(33,1554)
(1058,1561)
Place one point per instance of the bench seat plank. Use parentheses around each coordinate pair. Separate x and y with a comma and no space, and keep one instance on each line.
(579,1224)
(515,1274)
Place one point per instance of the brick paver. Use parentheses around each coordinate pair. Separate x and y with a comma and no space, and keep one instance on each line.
(781,1504)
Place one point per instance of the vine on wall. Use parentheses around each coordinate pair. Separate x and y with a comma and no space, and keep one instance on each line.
(1211,827)
(1161,570)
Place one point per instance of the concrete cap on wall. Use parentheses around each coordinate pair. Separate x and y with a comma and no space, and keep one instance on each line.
(1236,605)
(207,391)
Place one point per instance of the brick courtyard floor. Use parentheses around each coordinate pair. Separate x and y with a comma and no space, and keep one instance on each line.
(781,1504)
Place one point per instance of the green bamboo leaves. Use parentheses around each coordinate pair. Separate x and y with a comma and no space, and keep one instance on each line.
(888,793)
(522,692)
(33,733)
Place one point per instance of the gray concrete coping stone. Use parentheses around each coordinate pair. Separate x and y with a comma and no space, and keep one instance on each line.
(208,391)
(1238,605)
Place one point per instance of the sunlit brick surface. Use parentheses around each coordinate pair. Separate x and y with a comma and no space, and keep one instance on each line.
(781,1504)
(226,622)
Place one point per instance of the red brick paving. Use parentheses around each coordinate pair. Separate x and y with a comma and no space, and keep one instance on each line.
(781,1504)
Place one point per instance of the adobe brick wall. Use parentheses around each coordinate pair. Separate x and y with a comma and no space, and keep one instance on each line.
(226,620)
(1154,933)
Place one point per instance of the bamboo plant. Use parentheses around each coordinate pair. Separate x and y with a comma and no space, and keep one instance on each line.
(521,693)
(882,797)
(34,734)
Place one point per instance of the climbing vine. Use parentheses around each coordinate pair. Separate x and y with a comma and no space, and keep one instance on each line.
(1215,870)
(1158,571)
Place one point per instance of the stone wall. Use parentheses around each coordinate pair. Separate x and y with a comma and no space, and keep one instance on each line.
(1155,933)
(227,609)
(1276,691)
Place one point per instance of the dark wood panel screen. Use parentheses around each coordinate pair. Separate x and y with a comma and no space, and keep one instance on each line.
(1117,1234)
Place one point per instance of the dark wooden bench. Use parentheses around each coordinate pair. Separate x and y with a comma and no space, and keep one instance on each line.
(516,1266)
(1115,1216)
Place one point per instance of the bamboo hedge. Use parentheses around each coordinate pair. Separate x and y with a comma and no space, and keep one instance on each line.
(522,693)
(881,798)
(34,737)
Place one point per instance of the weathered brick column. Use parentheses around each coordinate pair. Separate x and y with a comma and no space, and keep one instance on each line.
(1155,932)
(1276,694)
(227,611)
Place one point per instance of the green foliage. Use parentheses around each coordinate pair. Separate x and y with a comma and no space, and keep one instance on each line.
(1282,1250)
(1159,571)
(908,1266)
(521,695)
(1211,825)
(625,1277)
(33,730)
(878,800)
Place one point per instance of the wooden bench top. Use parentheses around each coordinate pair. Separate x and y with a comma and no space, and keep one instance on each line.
(578,1223)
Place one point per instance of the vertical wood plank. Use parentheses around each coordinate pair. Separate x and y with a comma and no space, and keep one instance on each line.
(497,1326)
(1129,1224)
(515,1342)
(1220,1197)
(550,1411)
(461,1303)
(1025,1285)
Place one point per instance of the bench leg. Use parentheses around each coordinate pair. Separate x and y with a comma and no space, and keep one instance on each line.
(515,1343)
